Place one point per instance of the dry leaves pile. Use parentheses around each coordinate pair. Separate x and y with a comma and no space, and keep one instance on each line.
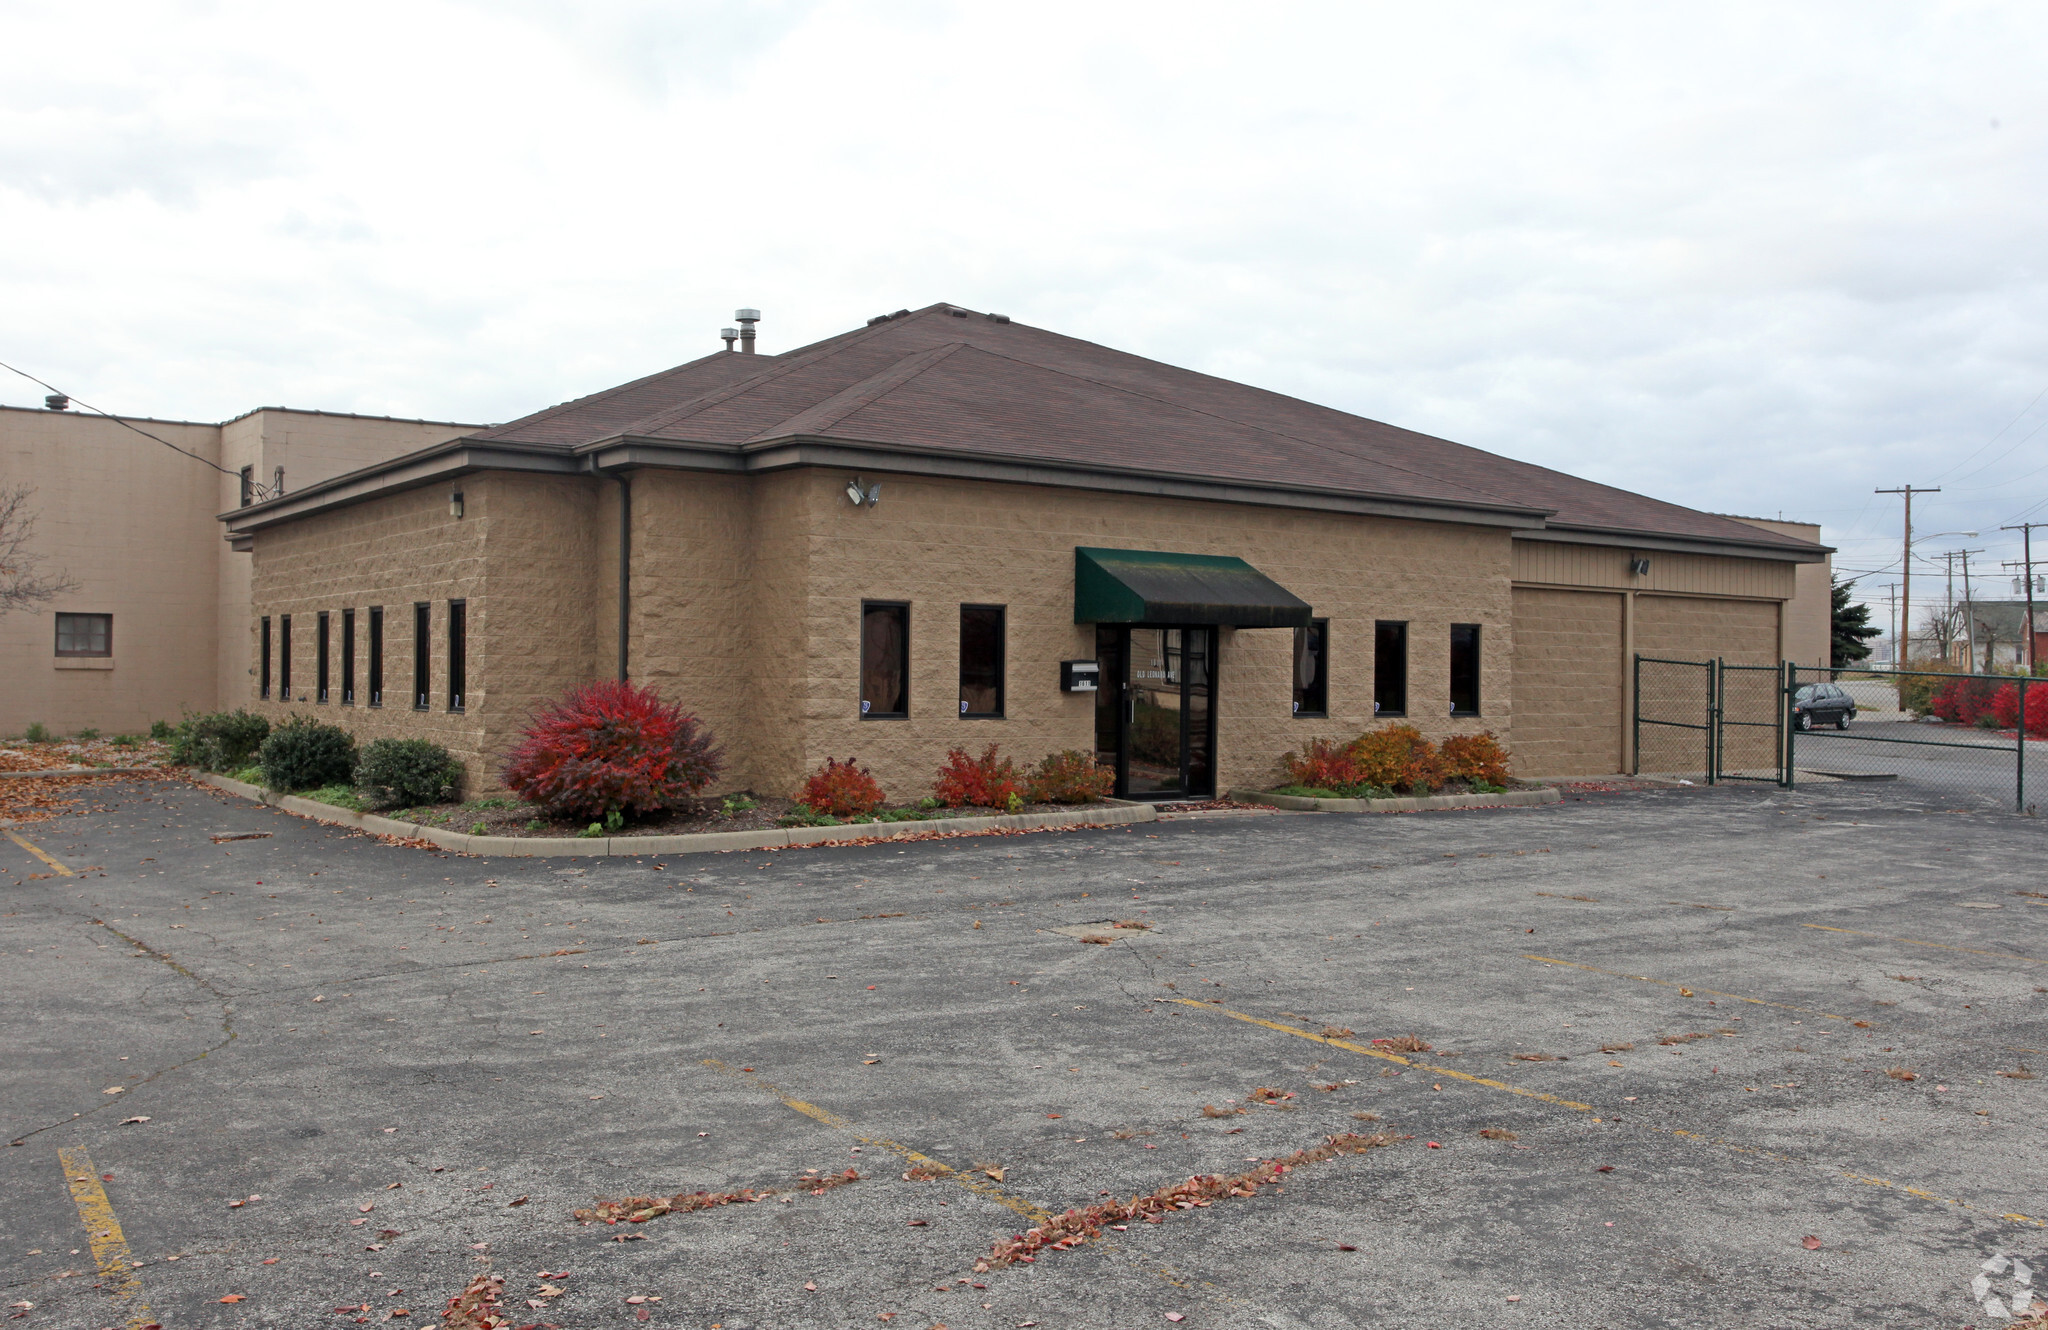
(1070,1230)
(40,798)
(640,1209)
(1406,1043)
(477,1307)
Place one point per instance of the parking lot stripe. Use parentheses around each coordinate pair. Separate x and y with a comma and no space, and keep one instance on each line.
(1666,983)
(103,1234)
(1677,1132)
(833,1120)
(1370,1052)
(1886,937)
(29,845)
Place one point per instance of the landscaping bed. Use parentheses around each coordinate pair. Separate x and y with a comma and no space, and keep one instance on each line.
(86,750)
(503,815)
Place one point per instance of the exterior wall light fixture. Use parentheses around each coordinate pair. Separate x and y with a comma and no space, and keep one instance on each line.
(455,504)
(1638,566)
(863,495)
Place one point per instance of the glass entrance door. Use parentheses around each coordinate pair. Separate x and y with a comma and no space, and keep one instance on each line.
(1155,714)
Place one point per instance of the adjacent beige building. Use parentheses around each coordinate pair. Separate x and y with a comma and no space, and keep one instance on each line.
(923,534)
(133,522)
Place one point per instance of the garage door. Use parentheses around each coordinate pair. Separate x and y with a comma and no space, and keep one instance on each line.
(1741,632)
(1568,683)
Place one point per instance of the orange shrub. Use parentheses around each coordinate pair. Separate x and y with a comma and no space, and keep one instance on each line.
(1322,765)
(1071,777)
(841,789)
(984,782)
(1397,757)
(1476,757)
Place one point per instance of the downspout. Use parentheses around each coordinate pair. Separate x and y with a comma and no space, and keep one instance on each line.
(625,567)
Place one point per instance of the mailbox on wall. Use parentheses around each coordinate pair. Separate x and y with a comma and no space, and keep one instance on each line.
(1080,676)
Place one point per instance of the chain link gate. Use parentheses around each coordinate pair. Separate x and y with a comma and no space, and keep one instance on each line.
(1707,717)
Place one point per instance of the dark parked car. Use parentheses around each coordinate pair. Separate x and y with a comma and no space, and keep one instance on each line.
(1821,704)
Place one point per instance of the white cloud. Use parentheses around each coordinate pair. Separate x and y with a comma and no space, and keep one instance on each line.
(1746,257)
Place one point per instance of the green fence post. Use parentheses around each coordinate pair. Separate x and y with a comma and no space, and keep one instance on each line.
(1635,748)
(2020,762)
(1713,719)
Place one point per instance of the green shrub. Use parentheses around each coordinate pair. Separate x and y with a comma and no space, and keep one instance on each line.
(37,733)
(127,740)
(219,741)
(338,796)
(407,772)
(803,815)
(88,733)
(735,804)
(247,775)
(304,754)
(160,730)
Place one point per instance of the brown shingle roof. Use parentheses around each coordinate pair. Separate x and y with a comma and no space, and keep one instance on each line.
(971,385)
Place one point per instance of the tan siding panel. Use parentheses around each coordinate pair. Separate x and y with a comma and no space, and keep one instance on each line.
(1568,697)
(1554,563)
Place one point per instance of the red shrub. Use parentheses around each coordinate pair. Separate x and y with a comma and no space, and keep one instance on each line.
(1071,777)
(1397,757)
(841,789)
(1476,757)
(608,747)
(983,782)
(2005,707)
(1322,765)
(1964,700)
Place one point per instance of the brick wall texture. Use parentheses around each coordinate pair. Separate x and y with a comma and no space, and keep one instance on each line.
(746,595)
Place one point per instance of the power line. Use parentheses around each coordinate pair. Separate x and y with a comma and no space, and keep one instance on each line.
(258,490)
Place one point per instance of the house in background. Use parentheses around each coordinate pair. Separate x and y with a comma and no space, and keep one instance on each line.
(156,625)
(949,529)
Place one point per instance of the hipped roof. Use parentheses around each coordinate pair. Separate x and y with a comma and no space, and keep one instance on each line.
(946,382)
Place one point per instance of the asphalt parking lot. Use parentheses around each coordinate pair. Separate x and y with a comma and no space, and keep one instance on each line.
(1686,1017)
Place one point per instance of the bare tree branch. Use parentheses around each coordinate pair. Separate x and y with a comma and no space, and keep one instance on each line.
(23,585)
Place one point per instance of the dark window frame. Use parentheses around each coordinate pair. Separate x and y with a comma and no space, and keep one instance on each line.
(324,640)
(1320,690)
(1474,644)
(284,657)
(422,655)
(1001,663)
(101,621)
(348,657)
(458,652)
(1389,673)
(903,664)
(263,661)
(248,478)
(376,665)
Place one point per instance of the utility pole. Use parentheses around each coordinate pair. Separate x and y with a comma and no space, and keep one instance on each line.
(1906,569)
(2026,530)
(1891,596)
(1969,610)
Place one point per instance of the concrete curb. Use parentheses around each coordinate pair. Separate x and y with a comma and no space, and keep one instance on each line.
(89,771)
(536,847)
(1419,803)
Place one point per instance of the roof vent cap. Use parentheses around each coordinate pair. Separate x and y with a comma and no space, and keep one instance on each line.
(998,318)
(57,402)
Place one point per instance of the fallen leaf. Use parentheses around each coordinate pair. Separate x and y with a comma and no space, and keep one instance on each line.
(366,1207)
(1685,992)
(1434,1145)
(509,1205)
(635,1300)
(115,1089)
(995,1173)
(1810,1242)
(1345,1247)
(1052,1115)
(1175,1316)
(1604,1168)
(810,1287)
(232,1297)
(919,1223)
(127,1121)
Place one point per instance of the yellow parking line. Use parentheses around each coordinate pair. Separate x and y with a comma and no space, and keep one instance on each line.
(29,845)
(908,1155)
(1886,937)
(103,1234)
(1567,1103)
(1666,983)
(1433,1069)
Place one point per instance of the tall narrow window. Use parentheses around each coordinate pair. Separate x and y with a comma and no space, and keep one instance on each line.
(1464,669)
(458,652)
(284,657)
(422,677)
(981,660)
(884,659)
(263,660)
(320,677)
(248,485)
(1389,668)
(1312,669)
(376,655)
(348,658)
(85,634)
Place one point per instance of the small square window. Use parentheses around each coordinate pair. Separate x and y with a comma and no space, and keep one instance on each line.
(85,634)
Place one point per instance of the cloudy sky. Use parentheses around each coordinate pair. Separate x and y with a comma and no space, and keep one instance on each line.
(1752,258)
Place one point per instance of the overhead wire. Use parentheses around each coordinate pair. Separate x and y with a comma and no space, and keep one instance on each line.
(258,489)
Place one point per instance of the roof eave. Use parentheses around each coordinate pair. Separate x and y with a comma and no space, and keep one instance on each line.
(441,462)
(1674,543)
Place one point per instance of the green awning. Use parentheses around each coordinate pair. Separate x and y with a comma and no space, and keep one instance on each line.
(1150,586)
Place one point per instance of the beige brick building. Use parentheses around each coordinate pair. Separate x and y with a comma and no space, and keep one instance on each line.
(869,548)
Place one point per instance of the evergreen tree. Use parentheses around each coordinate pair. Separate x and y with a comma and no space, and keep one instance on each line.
(1849,627)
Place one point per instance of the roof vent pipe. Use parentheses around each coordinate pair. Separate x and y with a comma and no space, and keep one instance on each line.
(57,402)
(730,335)
(747,319)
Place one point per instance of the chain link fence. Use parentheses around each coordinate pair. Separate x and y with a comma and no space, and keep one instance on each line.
(1709,719)
(1984,735)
